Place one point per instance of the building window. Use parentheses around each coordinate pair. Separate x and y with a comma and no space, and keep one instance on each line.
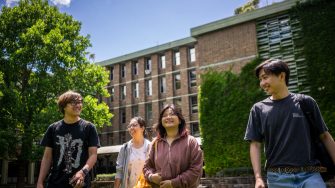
(192,78)
(176,58)
(177,101)
(148,111)
(194,104)
(148,66)
(111,73)
(148,87)
(111,92)
(195,129)
(122,138)
(123,92)
(134,111)
(162,84)
(123,70)
(136,91)
(122,116)
(192,54)
(161,105)
(162,62)
(135,68)
(176,79)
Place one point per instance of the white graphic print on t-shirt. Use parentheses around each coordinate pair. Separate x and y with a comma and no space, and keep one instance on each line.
(67,148)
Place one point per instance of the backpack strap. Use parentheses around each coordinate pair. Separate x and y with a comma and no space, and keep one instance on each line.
(307,109)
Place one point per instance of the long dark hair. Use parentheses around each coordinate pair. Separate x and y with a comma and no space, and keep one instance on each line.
(182,124)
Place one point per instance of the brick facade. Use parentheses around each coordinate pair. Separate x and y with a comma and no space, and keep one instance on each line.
(227,49)
(226,44)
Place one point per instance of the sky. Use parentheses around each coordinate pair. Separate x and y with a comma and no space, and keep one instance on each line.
(120,27)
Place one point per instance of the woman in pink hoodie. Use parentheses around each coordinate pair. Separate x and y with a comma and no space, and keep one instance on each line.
(175,159)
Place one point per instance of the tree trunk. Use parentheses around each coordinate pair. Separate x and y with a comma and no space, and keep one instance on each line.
(24,158)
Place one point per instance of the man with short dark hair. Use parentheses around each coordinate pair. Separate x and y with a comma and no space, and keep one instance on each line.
(70,147)
(279,122)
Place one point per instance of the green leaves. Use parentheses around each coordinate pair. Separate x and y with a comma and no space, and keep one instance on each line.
(95,112)
(224,103)
(317,21)
(43,55)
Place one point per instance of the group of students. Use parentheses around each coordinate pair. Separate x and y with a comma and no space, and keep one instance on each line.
(174,158)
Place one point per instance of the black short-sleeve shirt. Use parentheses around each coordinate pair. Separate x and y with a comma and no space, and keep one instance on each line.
(69,143)
(285,131)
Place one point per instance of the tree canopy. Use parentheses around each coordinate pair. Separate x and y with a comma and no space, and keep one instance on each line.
(249,6)
(42,55)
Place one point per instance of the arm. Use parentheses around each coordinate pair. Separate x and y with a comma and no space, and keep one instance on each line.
(192,175)
(117,182)
(45,166)
(329,143)
(149,165)
(119,166)
(92,159)
(78,178)
(255,156)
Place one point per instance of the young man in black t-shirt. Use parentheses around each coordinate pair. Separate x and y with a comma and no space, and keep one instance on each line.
(279,122)
(70,147)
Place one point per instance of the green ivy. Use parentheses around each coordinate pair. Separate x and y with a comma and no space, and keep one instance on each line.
(318,27)
(225,100)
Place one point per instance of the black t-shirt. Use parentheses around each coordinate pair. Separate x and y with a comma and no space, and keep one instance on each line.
(283,127)
(69,143)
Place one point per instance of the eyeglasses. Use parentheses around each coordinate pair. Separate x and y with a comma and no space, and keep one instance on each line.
(73,103)
(132,125)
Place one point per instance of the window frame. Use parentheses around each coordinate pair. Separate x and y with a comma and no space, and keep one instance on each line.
(194,107)
(176,82)
(192,82)
(176,58)
(148,87)
(162,63)
(192,54)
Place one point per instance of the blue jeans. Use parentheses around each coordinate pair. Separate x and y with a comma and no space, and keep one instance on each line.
(295,180)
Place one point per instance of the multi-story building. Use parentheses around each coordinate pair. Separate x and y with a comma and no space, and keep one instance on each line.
(142,82)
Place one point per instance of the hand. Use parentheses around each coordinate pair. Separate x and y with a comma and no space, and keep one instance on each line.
(156,178)
(78,180)
(166,184)
(259,183)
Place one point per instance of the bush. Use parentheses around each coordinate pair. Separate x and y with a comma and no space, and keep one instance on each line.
(105,177)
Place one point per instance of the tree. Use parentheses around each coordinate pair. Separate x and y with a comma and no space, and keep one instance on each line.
(249,6)
(42,54)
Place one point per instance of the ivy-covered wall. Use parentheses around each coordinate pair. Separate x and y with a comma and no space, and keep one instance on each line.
(225,102)
(317,18)
(226,98)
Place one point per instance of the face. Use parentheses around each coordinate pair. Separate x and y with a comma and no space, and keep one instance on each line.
(74,108)
(170,119)
(271,83)
(135,129)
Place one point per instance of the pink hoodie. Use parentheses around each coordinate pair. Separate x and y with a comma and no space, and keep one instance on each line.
(181,162)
